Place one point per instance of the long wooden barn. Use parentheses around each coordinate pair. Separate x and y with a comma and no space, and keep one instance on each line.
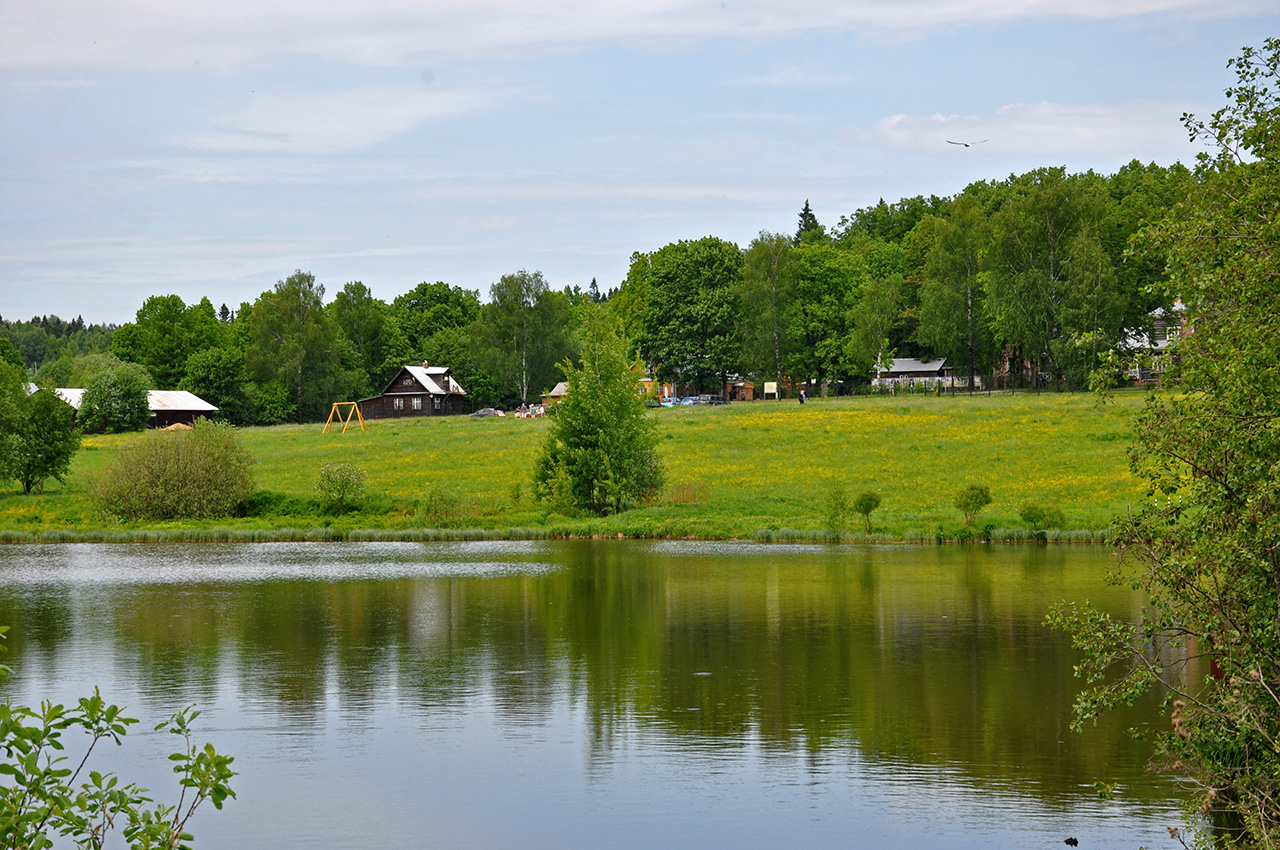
(417,391)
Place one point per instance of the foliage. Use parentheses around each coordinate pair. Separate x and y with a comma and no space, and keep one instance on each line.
(341,486)
(1204,546)
(44,798)
(837,507)
(864,503)
(691,312)
(291,339)
(528,331)
(165,333)
(952,300)
(600,453)
(766,291)
(114,402)
(218,376)
(1039,516)
(971,499)
(41,441)
(11,355)
(196,474)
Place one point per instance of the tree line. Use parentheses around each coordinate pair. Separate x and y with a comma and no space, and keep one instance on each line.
(1035,277)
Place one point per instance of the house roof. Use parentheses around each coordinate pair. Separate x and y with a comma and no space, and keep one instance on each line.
(903,365)
(157,400)
(559,390)
(436,380)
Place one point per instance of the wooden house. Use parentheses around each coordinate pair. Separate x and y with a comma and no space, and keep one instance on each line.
(557,392)
(417,391)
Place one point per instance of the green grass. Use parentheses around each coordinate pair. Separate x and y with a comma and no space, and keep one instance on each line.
(750,470)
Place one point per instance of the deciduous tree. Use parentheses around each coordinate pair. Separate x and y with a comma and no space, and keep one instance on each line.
(1206,544)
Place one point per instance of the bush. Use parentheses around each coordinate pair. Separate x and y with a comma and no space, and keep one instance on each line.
(340,486)
(837,508)
(972,499)
(866,502)
(195,474)
(1040,517)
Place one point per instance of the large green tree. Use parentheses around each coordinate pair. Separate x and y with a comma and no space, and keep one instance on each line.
(827,283)
(164,333)
(953,321)
(766,291)
(690,328)
(291,339)
(600,452)
(527,325)
(115,402)
(1206,544)
(42,441)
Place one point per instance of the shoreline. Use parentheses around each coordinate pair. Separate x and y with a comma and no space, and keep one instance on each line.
(323,534)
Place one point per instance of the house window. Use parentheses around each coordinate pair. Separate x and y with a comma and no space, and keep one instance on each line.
(417,403)
(406,381)
(397,404)
(435,402)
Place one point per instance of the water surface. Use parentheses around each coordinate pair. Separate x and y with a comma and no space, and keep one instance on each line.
(600,693)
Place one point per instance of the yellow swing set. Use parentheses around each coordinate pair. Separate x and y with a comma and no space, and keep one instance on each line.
(337,411)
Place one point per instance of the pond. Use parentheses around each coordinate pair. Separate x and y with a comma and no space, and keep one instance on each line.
(583,694)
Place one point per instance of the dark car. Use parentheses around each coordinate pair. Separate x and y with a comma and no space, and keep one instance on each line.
(484,411)
(711,399)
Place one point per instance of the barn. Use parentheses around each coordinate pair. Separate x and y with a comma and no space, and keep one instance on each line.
(417,391)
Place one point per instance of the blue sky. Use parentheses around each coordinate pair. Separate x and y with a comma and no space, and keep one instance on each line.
(164,146)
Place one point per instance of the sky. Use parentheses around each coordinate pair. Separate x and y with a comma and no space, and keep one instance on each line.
(152,147)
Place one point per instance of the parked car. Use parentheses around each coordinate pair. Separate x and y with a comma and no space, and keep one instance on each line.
(485,411)
(711,399)
(669,402)
(689,399)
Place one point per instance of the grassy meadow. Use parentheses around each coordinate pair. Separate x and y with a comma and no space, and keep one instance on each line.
(760,469)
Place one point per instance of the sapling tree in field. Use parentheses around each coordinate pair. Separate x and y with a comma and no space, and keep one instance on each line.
(1206,545)
(864,503)
(600,453)
(971,499)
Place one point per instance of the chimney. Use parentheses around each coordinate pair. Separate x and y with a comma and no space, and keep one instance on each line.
(425,365)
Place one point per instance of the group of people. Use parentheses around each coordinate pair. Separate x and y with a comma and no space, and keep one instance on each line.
(530,411)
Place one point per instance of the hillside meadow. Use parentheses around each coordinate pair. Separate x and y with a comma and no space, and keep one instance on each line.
(760,469)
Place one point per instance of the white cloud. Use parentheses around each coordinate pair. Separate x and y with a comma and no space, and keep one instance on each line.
(235,33)
(332,122)
(1146,130)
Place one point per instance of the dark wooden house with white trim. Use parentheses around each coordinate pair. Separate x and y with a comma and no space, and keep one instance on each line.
(417,391)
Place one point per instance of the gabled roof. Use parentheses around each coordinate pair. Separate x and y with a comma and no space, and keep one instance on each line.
(157,400)
(436,380)
(902,365)
(560,390)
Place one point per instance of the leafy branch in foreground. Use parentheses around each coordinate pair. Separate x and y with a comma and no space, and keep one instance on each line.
(1206,545)
(43,797)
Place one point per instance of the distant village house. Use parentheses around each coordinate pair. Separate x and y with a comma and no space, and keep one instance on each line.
(417,391)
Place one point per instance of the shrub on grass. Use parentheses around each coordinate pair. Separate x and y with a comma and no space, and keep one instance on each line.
(340,486)
(195,474)
(972,499)
(1040,517)
(866,502)
(837,508)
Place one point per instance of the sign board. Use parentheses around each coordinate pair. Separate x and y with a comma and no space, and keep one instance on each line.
(771,388)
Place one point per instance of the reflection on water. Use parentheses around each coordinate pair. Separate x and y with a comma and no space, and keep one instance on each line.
(575,694)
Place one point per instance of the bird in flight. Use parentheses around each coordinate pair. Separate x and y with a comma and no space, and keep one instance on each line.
(966,144)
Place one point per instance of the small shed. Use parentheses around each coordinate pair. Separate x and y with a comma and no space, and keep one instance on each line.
(173,407)
(417,391)
(558,392)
